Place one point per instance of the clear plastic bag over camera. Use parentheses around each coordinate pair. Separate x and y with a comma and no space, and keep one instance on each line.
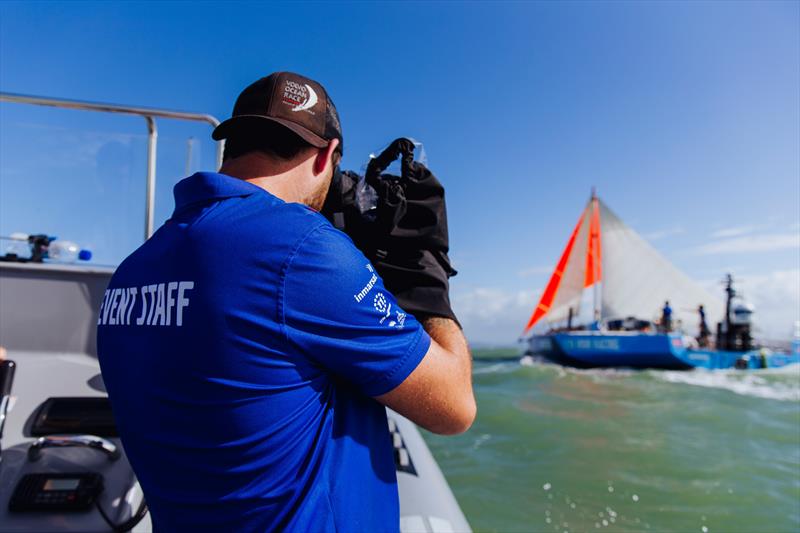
(366,197)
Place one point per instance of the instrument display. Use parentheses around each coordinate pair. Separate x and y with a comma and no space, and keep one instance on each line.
(61,484)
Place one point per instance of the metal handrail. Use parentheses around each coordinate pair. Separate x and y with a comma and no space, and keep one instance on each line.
(149,114)
(7,369)
(100,444)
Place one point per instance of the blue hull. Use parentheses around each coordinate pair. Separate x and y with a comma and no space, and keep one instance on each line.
(595,349)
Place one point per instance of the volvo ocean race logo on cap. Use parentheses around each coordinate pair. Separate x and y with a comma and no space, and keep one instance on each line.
(299,95)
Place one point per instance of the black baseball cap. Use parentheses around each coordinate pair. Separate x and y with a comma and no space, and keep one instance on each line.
(291,100)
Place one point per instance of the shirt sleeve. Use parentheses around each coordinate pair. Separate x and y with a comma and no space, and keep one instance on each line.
(337,313)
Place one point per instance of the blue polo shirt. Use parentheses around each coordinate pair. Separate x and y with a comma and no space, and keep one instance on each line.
(241,347)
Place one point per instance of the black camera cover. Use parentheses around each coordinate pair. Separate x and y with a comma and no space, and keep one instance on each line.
(405,235)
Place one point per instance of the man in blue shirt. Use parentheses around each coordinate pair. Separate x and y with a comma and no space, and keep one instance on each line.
(666,317)
(248,348)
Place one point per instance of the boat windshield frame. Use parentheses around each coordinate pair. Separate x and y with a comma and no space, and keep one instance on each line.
(149,114)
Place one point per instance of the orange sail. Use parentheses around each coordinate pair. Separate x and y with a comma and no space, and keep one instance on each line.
(594,265)
(555,280)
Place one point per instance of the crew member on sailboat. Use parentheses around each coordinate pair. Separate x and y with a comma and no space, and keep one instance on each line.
(666,317)
(705,333)
(247,401)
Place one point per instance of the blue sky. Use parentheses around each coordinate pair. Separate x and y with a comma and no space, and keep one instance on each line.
(684,115)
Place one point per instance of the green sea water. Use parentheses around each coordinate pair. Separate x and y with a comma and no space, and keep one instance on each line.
(557,449)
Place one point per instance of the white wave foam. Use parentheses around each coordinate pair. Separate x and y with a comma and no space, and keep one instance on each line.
(742,382)
(531,360)
(495,368)
(564,371)
(603,373)
(543,363)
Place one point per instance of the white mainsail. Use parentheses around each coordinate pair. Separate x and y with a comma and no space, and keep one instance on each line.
(634,279)
(637,280)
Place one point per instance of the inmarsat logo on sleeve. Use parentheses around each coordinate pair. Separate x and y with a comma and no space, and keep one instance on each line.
(301,96)
(368,287)
(382,306)
(380,302)
(400,323)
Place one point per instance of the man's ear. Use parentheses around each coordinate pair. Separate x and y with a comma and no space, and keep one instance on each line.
(324,157)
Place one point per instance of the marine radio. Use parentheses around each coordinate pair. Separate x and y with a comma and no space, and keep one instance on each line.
(56,492)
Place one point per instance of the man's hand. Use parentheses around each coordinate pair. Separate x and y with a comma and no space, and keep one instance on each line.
(438,395)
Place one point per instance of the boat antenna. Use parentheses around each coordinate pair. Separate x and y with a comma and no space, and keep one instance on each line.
(729,295)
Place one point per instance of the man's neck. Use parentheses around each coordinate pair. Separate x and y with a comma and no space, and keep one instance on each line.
(276,177)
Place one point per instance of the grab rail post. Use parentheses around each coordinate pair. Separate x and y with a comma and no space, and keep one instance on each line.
(150,192)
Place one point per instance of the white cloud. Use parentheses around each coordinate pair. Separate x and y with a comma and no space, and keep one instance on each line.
(732,232)
(776,297)
(750,244)
(493,315)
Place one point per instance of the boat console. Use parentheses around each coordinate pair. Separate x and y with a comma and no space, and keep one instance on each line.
(62,466)
(56,472)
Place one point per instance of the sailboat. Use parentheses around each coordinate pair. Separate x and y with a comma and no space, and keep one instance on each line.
(630,284)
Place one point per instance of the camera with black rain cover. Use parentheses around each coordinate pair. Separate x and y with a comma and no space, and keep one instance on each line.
(402,230)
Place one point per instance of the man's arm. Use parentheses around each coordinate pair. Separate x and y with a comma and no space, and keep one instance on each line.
(438,395)
(337,312)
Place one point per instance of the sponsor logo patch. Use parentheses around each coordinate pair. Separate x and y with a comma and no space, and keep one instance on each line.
(368,287)
(382,306)
(300,96)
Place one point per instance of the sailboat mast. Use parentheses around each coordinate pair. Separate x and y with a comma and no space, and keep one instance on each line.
(596,296)
(595,243)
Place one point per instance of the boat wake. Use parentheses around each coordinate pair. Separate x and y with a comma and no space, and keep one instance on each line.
(495,368)
(772,384)
(563,371)
(782,384)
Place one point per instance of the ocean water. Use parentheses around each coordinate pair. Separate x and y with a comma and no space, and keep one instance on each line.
(557,449)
